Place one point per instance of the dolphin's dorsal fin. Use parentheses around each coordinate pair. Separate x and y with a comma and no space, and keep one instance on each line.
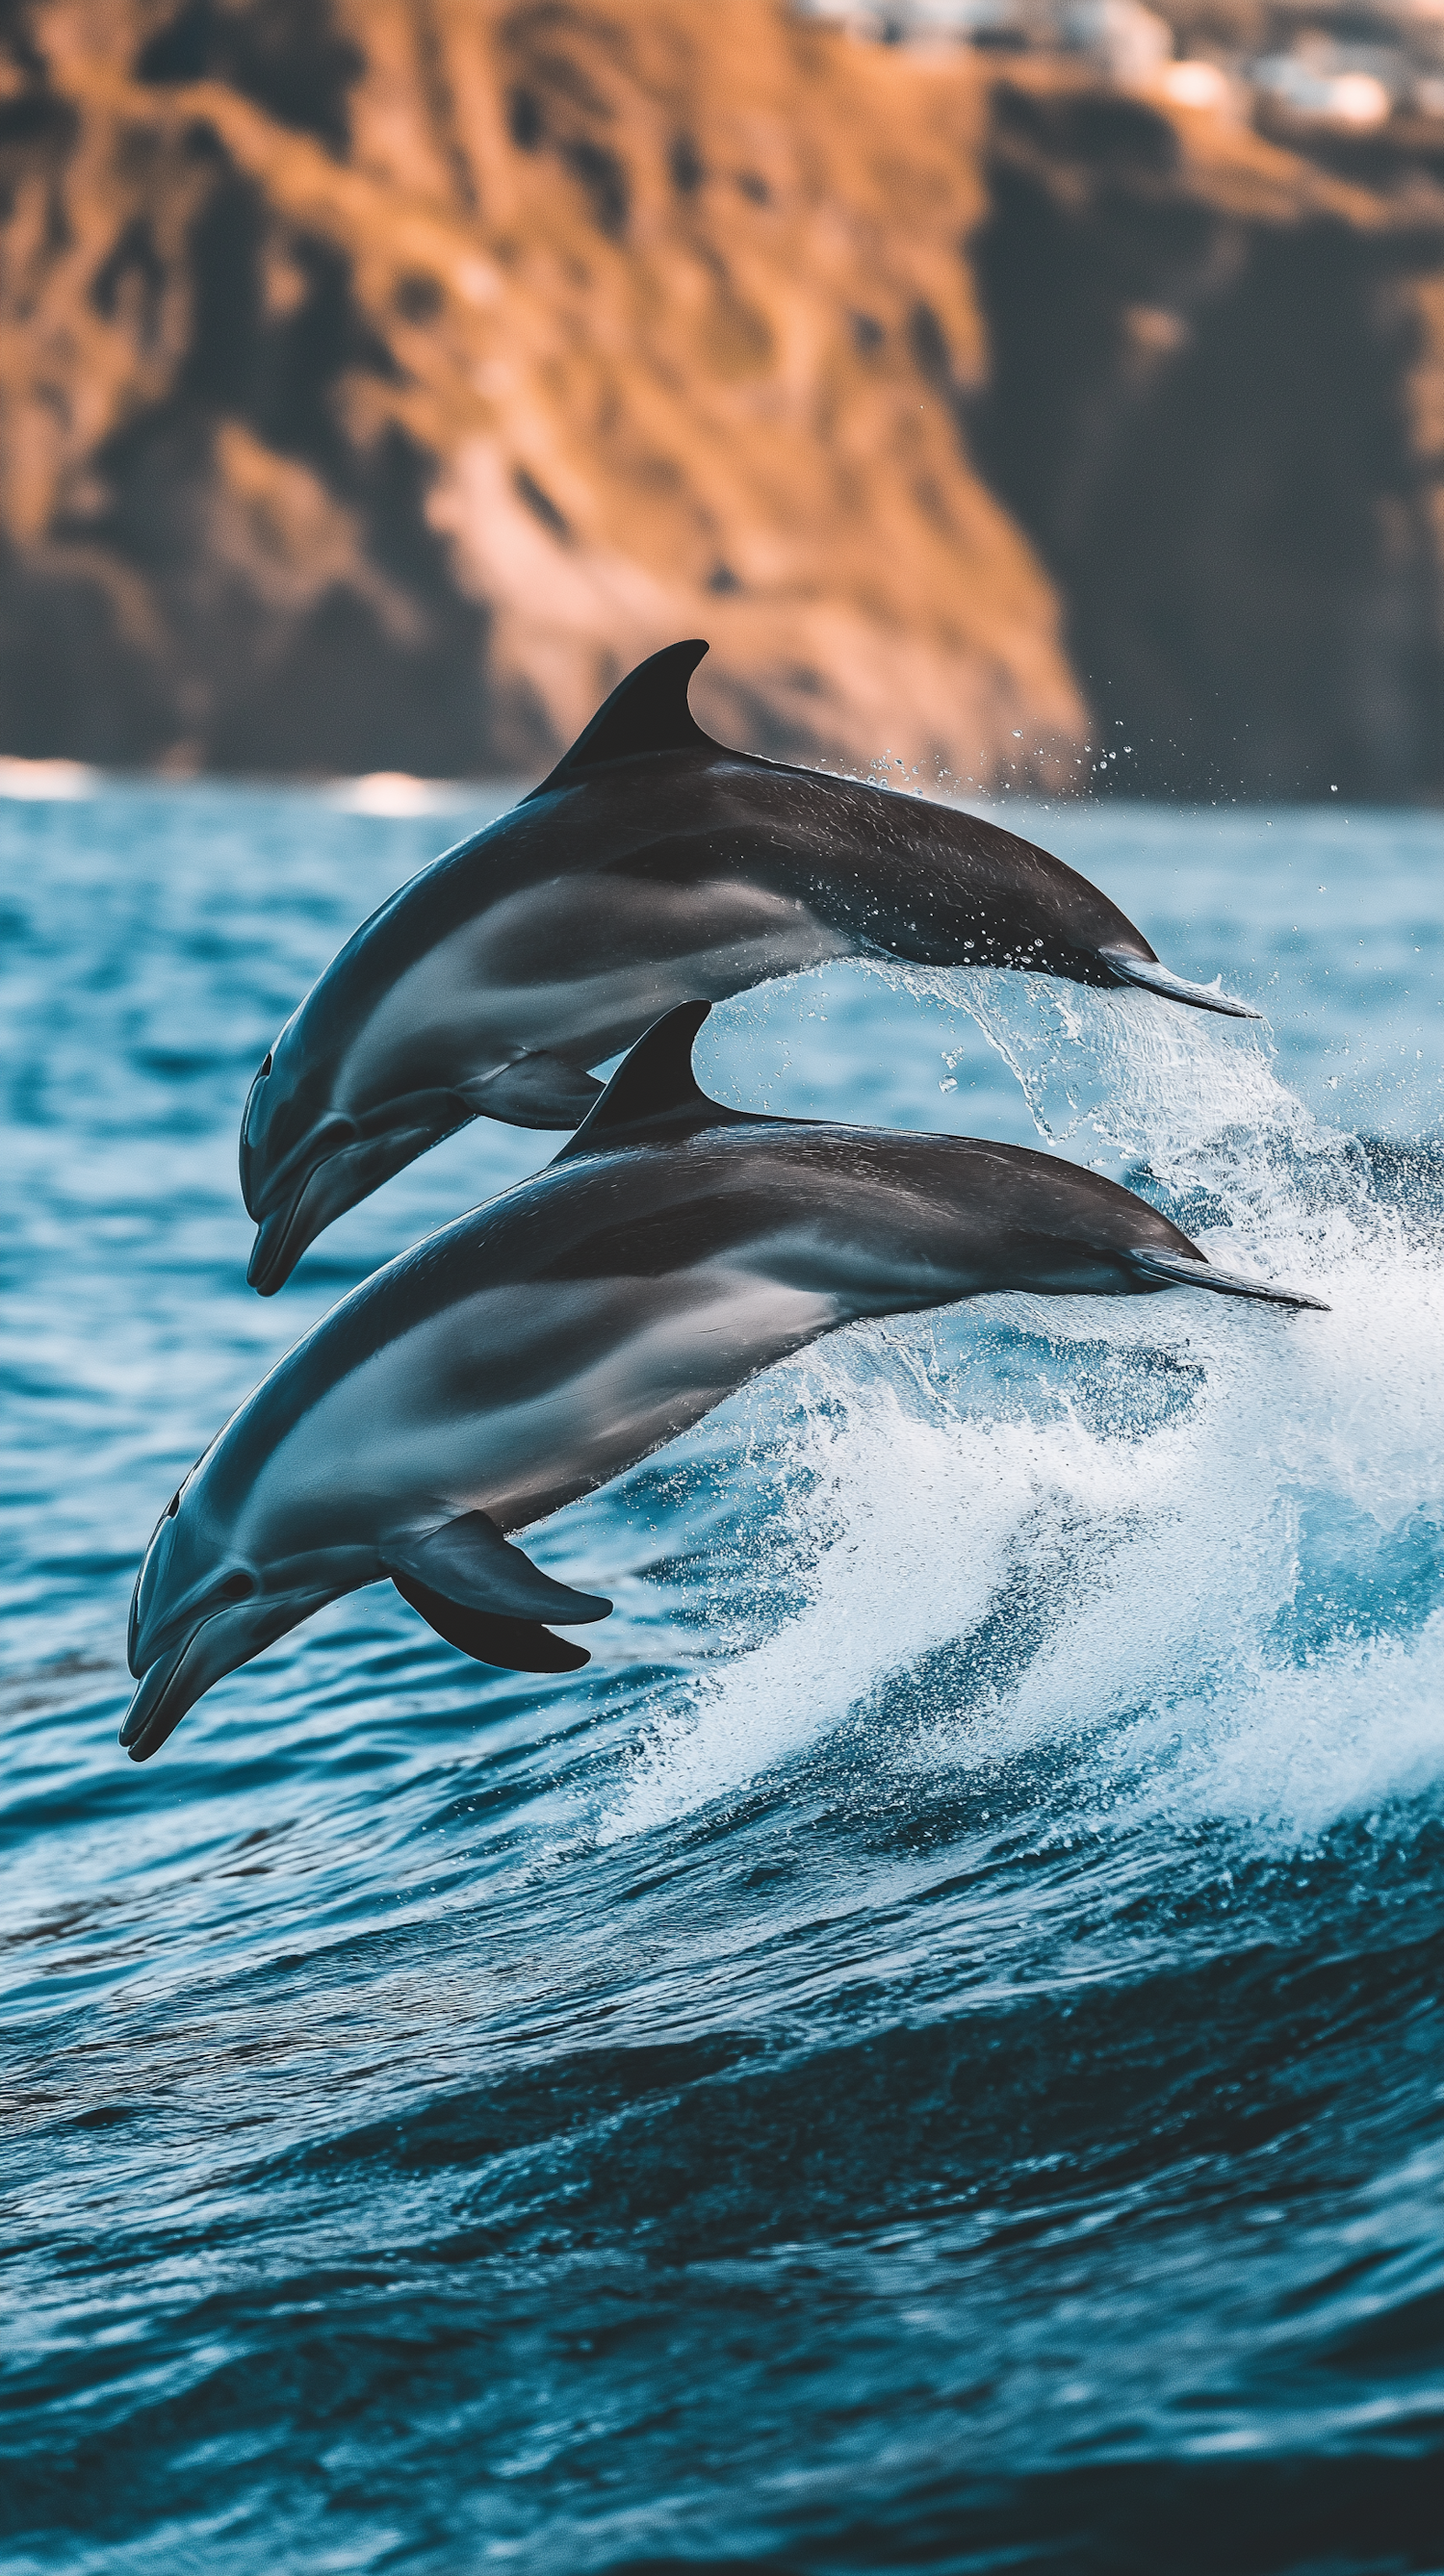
(647,711)
(655,1094)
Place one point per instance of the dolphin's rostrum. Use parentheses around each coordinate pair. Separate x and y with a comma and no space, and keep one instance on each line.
(537,1347)
(650,866)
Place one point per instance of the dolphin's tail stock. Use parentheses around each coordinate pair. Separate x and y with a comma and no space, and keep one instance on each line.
(1178,1270)
(1154,978)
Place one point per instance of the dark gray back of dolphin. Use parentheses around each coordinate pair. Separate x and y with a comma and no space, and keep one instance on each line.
(652,863)
(539,1346)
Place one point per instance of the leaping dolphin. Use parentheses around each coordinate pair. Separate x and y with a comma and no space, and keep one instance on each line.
(652,865)
(537,1347)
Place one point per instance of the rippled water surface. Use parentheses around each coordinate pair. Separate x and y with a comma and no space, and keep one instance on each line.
(929,2053)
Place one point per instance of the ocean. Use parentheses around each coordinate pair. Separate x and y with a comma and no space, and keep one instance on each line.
(928,2054)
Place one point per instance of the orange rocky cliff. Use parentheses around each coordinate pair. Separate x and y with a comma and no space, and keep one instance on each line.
(380,381)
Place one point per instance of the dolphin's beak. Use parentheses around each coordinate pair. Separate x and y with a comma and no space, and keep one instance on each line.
(173,1684)
(338,1180)
(216,1646)
(282,1237)
(1174,988)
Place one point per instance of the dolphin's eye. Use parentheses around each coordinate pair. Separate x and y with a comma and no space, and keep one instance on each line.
(265,1069)
(237,1587)
(173,1506)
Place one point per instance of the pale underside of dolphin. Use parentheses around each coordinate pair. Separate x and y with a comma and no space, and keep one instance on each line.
(534,1349)
(653,865)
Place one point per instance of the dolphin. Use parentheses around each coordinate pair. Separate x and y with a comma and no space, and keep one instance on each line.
(651,866)
(534,1349)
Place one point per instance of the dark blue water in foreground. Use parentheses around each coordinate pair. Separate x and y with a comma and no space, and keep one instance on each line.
(930,2054)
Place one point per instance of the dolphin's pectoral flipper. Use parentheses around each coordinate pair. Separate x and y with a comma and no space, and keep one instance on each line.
(515,1645)
(646,712)
(468,1562)
(538,1090)
(1175,1270)
(484,1597)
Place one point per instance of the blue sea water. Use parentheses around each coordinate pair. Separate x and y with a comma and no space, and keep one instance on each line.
(930,2053)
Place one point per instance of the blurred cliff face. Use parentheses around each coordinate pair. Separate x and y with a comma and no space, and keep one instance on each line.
(381,380)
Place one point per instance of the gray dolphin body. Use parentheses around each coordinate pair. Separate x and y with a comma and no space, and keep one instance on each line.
(537,1347)
(651,866)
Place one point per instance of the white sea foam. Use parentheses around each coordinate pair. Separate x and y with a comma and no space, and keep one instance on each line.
(1155,1574)
(1297,1747)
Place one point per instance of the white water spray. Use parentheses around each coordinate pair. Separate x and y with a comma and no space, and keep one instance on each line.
(1153,1564)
